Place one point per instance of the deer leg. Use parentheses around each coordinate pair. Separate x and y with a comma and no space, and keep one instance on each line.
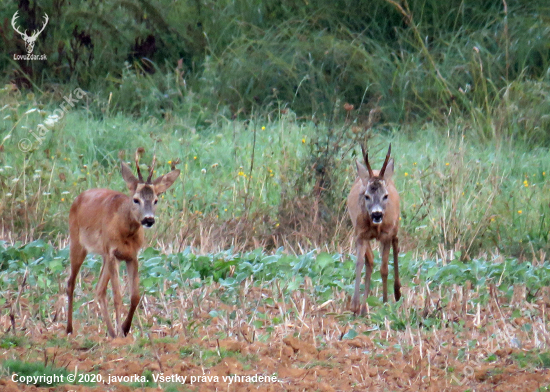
(368,272)
(117,297)
(384,269)
(133,279)
(77,256)
(360,251)
(101,293)
(397,282)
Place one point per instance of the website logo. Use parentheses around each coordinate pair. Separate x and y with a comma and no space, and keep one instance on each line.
(30,40)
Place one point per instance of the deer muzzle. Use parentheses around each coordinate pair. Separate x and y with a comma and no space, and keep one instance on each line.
(148,221)
(377,217)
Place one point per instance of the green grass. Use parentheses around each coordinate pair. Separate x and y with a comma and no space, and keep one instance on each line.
(36,373)
(8,341)
(457,194)
(431,62)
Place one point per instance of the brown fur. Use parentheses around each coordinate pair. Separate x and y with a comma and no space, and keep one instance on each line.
(109,223)
(365,231)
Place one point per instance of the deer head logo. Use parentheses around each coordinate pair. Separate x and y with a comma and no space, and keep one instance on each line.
(29,40)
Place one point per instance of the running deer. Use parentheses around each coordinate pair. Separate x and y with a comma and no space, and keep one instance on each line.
(110,223)
(373,205)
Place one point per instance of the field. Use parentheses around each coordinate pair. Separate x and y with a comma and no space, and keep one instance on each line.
(235,285)
(247,276)
(480,326)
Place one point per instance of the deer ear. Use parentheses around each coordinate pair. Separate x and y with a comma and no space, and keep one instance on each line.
(164,182)
(362,172)
(389,170)
(129,178)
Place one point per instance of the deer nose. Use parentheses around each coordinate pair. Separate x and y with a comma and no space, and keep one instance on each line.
(377,217)
(148,222)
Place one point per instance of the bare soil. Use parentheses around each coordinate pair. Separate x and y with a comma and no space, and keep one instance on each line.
(308,347)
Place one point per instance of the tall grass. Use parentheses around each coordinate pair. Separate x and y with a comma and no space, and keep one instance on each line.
(459,193)
(422,61)
(253,100)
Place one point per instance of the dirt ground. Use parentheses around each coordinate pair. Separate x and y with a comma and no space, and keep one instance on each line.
(304,346)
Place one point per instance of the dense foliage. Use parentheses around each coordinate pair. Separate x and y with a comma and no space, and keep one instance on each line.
(423,60)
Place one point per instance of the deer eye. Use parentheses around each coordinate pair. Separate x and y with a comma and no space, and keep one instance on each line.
(156,201)
(367,197)
(385,197)
(136,201)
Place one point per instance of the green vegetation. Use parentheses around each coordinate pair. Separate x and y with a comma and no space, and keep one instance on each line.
(257,115)
(470,63)
(167,274)
(262,105)
(44,376)
(456,193)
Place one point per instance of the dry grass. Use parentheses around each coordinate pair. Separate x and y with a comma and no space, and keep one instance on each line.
(446,340)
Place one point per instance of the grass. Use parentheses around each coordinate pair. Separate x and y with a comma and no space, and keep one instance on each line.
(457,194)
(36,373)
(481,323)
(484,62)
(253,243)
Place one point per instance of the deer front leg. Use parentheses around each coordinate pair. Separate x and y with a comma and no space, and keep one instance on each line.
(397,282)
(368,273)
(117,296)
(384,269)
(101,293)
(360,252)
(133,279)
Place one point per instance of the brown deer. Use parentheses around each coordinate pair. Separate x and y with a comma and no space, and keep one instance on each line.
(110,223)
(373,205)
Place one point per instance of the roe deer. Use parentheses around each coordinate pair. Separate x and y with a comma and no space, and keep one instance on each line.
(373,205)
(110,224)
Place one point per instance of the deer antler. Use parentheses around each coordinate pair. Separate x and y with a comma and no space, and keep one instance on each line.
(151,169)
(15,16)
(139,151)
(366,158)
(383,170)
(43,27)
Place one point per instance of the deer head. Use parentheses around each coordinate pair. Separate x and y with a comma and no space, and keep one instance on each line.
(374,193)
(145,193)
(29,40)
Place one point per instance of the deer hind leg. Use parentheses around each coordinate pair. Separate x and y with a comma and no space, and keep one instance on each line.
(397,282)
(101,292)
(360,252)
(384,269)
(77,256)
(133,279)
(117,296)
(369,257)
